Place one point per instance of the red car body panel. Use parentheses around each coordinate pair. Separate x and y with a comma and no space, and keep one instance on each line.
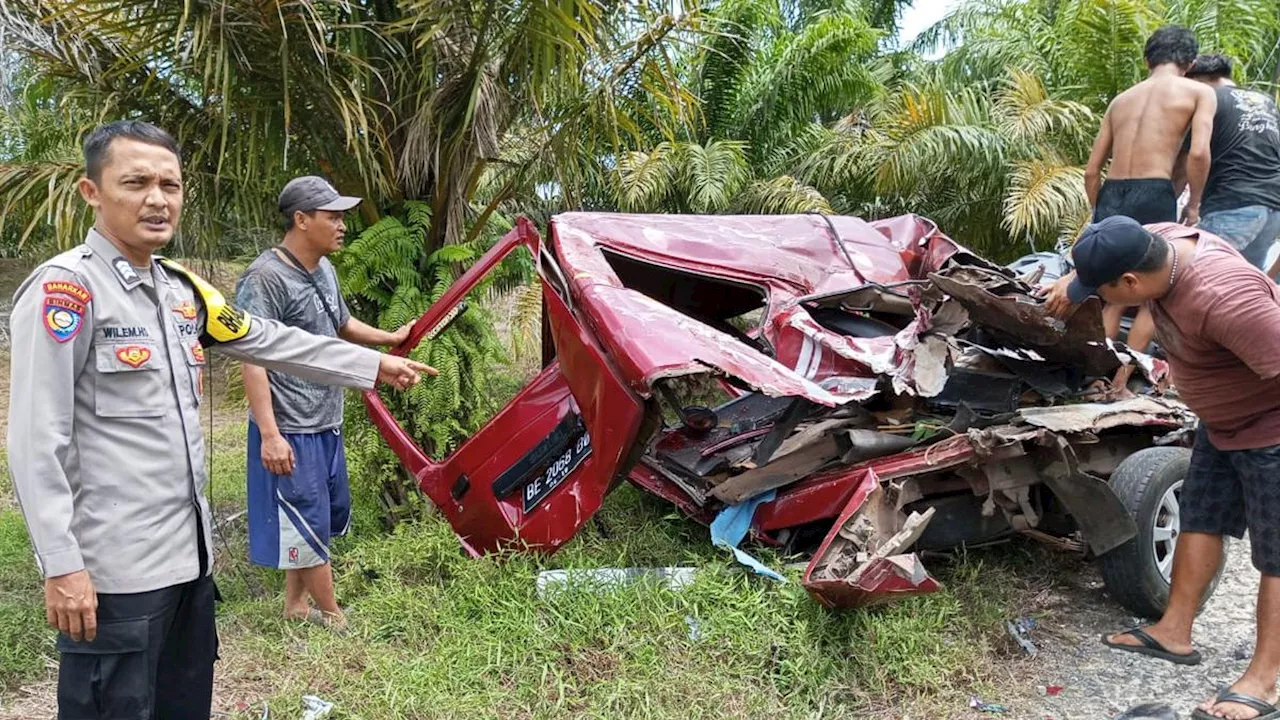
(581,381)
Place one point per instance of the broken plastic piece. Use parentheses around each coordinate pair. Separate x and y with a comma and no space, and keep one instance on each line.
(315,708)
(1020,630)
(674,578)
(977,704)
(730,527)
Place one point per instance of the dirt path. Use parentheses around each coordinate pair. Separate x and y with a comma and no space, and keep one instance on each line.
(1101,683)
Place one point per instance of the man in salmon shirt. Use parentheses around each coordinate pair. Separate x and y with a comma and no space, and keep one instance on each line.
(1218,319)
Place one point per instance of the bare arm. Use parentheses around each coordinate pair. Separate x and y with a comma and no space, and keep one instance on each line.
(277,454)
(1180,174)
(1097,158)
(358,332)
(1199,156)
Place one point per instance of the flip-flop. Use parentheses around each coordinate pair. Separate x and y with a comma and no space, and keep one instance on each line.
(1152,648)
(314,616)
(1266,711)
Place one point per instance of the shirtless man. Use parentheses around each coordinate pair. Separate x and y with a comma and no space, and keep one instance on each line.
(1142,134)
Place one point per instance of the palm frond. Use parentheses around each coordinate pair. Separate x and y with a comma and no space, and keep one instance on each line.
(781,195)
(713,174)
(1045,196)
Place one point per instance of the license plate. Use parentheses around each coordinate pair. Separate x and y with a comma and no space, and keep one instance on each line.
(537,489)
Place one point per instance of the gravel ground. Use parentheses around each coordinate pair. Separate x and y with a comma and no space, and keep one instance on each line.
(1100,683)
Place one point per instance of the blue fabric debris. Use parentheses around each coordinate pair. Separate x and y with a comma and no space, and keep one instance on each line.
(731,526)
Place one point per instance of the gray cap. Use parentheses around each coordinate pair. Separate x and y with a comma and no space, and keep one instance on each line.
(309,193)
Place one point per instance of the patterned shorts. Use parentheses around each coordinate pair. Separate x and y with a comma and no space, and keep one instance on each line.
(1229,491)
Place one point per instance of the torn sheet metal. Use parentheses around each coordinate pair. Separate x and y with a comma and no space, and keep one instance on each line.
(914,365)
(1080,341)
(652,342)
(1142,410)
(861,562)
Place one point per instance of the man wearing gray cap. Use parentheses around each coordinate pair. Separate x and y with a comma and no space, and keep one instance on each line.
(297,473)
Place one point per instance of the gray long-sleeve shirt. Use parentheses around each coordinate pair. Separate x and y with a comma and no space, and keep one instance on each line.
(105,445)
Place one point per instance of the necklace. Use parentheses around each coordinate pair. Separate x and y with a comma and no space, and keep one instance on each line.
(1173,270)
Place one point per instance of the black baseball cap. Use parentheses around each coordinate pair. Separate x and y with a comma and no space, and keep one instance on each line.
(1106,250)
(310,193)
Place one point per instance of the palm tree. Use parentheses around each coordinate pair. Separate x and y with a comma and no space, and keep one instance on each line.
(1092,49)
(985,166)
(767,71)
(399,100)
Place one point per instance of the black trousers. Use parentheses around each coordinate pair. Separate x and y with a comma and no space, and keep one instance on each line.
(152,659)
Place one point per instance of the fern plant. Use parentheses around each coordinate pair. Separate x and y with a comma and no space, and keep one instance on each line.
(390,280)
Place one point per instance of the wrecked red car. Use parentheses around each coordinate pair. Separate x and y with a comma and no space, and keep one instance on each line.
(866,391)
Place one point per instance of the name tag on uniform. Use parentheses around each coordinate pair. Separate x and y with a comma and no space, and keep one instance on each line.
(123,333)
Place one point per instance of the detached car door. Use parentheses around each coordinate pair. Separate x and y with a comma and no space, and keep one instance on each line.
(541,467)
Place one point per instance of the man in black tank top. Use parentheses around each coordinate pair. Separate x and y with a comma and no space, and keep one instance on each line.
(1241,201)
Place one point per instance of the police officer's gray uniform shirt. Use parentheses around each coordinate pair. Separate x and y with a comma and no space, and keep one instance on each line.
(105,445)
(271,288)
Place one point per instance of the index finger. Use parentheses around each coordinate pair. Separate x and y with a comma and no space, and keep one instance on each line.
(421,367)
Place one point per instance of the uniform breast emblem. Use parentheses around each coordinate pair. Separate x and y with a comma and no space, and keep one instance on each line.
(134,355)
(186,310)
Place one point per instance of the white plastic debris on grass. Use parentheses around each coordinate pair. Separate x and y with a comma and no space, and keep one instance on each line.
(315,708)
(673,578)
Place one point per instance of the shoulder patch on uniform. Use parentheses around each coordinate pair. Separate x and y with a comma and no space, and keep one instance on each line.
(64,309)
(224,322)
(66,287)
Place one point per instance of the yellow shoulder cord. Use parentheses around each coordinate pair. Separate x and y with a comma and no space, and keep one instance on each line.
(224,322)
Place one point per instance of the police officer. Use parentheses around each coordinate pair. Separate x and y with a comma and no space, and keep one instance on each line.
(105,445)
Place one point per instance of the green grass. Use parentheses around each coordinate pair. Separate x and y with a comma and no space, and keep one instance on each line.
(436,634)
(25,639)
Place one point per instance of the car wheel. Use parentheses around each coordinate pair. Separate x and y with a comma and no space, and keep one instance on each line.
(1137,574)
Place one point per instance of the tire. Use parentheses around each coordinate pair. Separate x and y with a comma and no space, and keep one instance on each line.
(1148,483)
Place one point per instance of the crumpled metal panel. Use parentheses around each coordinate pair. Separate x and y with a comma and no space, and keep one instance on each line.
(1080,341)
(923,247)
(792,251)
(824,354)
(1141,410)
(880,579)
(792,258)
(650,342)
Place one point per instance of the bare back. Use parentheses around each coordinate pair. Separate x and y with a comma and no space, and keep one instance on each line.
(1148,123)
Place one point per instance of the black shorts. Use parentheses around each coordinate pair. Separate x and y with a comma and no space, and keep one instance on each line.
(152,659)
(1147,200)
(1229,491)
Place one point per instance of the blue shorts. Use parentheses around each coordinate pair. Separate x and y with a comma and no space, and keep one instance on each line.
(1252,230)
(293,517)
